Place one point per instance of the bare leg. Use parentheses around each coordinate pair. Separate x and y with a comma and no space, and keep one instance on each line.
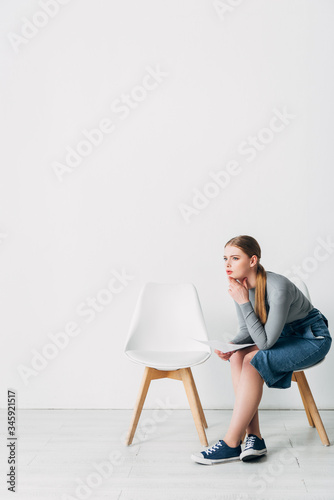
(248,385)
(236,361)
(254,426)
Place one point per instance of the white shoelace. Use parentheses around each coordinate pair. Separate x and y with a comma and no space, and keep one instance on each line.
(213,448)
(250,442)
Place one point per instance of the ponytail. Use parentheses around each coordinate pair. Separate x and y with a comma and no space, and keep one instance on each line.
(260,290)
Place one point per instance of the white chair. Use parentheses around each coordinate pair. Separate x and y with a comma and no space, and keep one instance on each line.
(166,319)
(299,376)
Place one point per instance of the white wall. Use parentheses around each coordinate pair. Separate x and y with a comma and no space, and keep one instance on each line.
(119,209)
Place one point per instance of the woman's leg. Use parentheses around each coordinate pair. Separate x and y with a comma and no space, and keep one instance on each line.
(236,362)
(248,386)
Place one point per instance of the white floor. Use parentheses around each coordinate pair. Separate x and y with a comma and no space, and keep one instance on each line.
(80,454)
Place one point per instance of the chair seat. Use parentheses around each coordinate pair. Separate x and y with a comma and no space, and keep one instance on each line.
(311,366)
(168,360)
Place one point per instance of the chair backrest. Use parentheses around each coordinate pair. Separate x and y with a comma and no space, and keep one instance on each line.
(166,318)
(301,285)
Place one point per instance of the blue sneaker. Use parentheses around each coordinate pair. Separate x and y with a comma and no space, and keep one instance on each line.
(219,452)
(254,448)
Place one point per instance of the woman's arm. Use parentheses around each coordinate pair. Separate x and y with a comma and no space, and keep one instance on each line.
(266,335)
(242,336)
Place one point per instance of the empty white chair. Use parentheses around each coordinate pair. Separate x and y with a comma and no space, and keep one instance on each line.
(166,319)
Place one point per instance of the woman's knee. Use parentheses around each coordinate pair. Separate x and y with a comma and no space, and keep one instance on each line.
(249,356)
(237,357)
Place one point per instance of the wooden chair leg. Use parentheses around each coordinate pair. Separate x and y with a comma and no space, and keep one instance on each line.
(307,411)
(146,380)
(191,392)
(186,377)
(199,404)
(312,407)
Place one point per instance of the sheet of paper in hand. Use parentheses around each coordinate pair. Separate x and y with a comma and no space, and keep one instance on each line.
(222,346)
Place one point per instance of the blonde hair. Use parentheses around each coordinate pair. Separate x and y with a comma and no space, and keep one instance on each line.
(251,247)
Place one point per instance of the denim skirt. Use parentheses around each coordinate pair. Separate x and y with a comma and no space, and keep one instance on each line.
(302,343)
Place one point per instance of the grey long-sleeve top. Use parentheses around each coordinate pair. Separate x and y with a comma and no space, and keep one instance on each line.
(284,303)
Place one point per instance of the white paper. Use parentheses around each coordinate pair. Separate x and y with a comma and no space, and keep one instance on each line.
(222,346)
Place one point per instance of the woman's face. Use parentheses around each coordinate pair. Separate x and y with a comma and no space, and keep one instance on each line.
(237,263)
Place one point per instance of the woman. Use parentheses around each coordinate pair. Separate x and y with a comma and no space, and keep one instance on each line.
(288,332)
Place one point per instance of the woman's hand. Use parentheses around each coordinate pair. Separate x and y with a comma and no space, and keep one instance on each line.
(224,355)
(238,292)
